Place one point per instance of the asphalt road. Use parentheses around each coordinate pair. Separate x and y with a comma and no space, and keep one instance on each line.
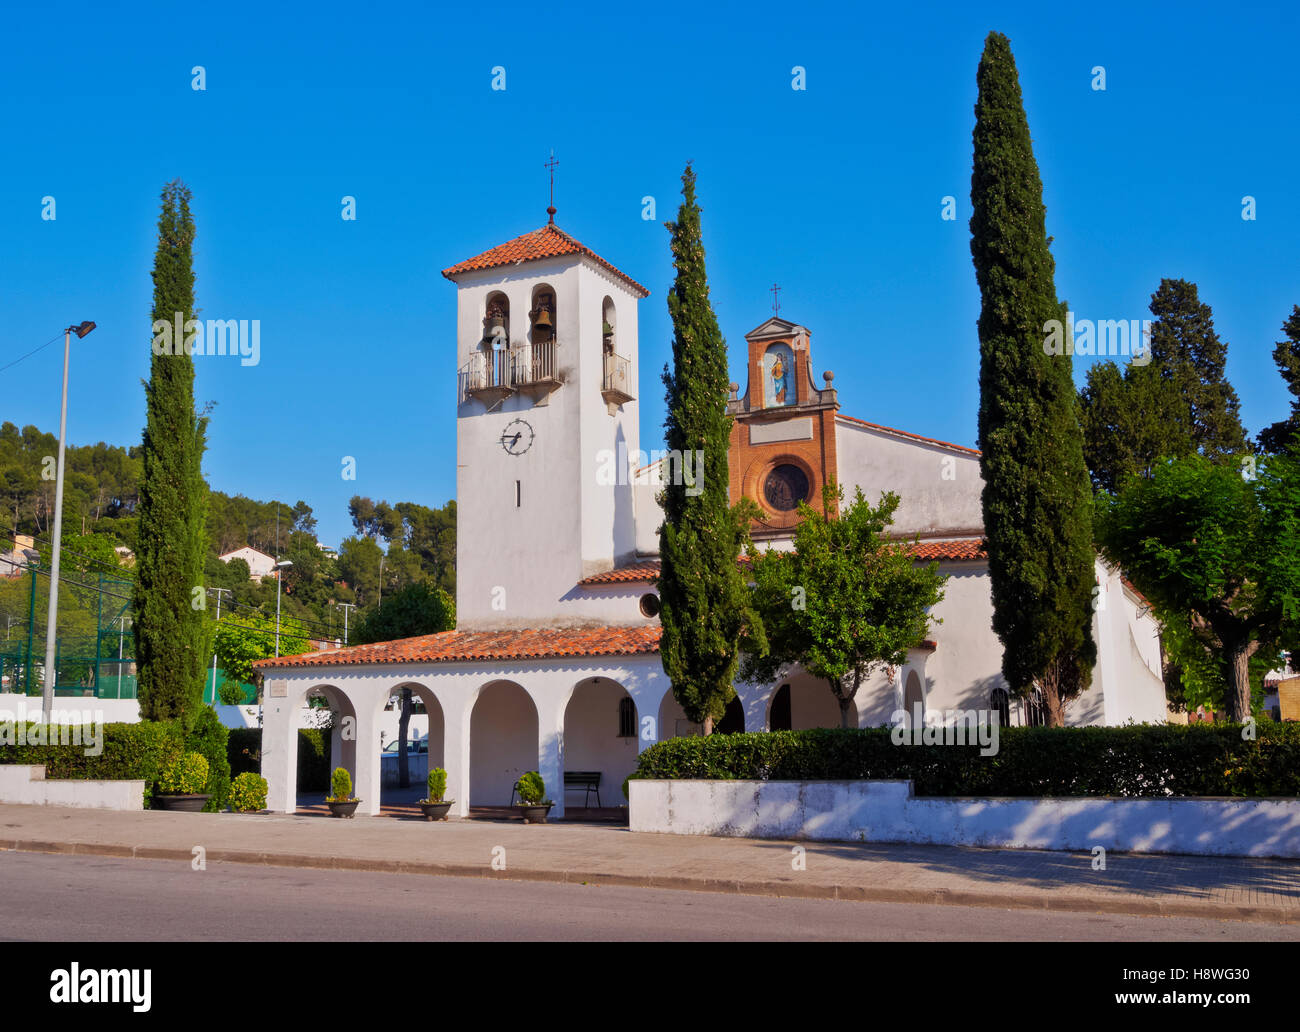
(89,899)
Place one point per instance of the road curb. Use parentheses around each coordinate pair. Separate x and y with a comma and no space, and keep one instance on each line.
(787,889)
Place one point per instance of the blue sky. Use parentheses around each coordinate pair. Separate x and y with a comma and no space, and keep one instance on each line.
(834,192)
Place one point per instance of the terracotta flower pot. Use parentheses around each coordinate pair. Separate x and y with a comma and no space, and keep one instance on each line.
(534,813)
(436,811)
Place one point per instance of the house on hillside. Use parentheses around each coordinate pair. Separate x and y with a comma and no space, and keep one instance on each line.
(259,563)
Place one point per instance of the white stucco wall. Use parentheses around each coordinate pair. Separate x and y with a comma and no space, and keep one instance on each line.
(938,487)
(887,811)
(521,556)
(23,783)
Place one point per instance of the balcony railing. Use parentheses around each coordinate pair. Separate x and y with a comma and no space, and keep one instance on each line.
(617,383)
(492,375)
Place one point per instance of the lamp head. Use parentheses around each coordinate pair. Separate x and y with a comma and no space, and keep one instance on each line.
(83,329)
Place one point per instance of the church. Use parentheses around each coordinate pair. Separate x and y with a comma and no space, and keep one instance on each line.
(554,662)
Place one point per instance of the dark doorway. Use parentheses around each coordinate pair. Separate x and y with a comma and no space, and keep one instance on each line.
(780,717)
(733,721)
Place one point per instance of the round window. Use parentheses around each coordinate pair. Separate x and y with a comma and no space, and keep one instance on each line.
(785,487)
(650,605)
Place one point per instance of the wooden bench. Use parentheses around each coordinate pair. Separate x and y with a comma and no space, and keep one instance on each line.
(588,780)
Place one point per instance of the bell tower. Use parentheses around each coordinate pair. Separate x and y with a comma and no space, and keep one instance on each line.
(546,395)
(783,438)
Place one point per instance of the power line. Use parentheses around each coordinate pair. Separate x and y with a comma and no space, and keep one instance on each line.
(31,353)
(125,573)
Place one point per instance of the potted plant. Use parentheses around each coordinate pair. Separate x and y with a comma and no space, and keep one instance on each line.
(248,793)
(533,804)
(342,803)
(181,784)
(435,807)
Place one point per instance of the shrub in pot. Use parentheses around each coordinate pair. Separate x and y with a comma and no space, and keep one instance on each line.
(248,793)
(181,784)
(533,804)
(342,803)
(435,807)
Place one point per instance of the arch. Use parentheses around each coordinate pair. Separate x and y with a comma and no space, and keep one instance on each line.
(609,325)
(779,716)
(733,720)
(542,314)
(913,701)
(804,702)
(503,742)
(427,728)
(343,748)
(496,321)
(779,381)
(593,738)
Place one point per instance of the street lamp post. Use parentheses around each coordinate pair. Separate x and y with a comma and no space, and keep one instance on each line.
(51,630)
(279,575)
(345,606)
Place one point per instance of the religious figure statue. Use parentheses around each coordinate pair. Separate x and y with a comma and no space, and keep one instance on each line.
(779,379)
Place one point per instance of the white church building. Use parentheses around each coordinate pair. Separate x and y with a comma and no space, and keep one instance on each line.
(554,664)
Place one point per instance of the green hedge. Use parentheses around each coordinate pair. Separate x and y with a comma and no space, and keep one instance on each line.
(131,751)
(209,738)
(1136,760)
(244,752)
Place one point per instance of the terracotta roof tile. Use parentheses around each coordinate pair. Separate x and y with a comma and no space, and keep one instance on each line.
(484,646)
(646,570)
(954,550)
(548,242)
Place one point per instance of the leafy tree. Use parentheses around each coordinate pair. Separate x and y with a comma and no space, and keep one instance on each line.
(705,604)
(1277,437)
(1037,497)
(242,640)
(302,518)
(846,601)
(1220,551)
(171,636)
(359,566)
(1189,355)
(414,610)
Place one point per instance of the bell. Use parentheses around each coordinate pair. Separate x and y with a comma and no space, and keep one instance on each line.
(543,320)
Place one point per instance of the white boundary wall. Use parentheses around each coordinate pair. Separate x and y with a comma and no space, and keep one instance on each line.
(25,783)
(887,811)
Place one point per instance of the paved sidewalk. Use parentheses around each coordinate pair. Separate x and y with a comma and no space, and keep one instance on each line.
(1184,886)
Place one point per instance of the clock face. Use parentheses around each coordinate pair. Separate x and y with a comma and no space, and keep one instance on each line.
(517,437)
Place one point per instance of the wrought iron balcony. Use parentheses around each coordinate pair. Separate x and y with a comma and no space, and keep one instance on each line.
(490,376)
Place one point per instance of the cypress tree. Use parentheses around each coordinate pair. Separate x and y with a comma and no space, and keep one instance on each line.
(171,634)
(1277,438)
(1037,496)
(705,606)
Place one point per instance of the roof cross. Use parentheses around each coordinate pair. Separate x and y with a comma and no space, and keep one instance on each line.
(550,164)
